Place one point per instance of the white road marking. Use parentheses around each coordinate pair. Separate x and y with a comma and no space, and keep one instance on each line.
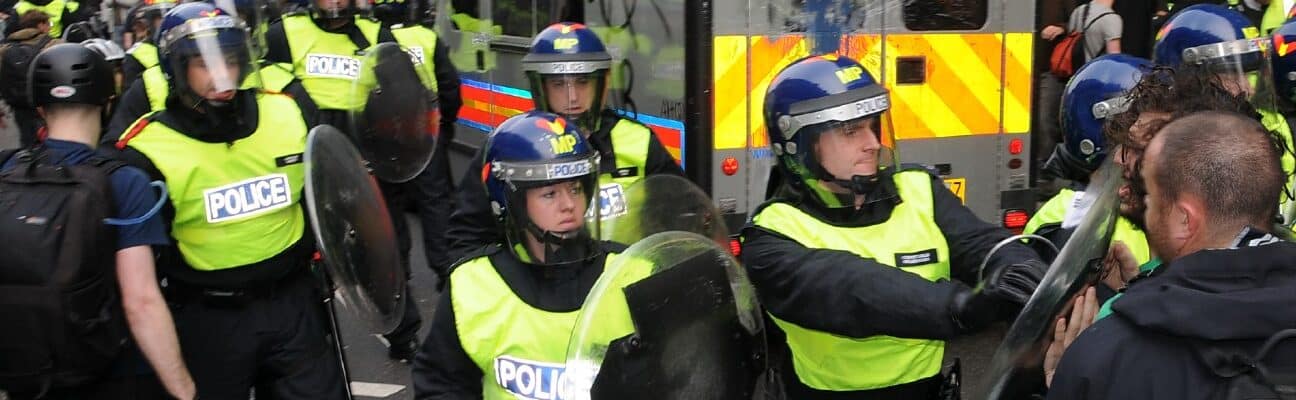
(377,390)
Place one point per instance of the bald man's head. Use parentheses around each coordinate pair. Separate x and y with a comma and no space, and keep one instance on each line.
(1218,170)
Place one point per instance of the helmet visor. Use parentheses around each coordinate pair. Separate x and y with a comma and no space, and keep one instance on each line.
(552,220)
(577,97)
(210,55)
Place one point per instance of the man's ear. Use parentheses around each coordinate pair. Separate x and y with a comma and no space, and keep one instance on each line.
(1190,215)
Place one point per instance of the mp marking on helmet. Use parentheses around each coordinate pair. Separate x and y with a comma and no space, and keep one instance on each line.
(532,380)
(332,66)
(561,141)
(247,198)
(849,74)
(565,43)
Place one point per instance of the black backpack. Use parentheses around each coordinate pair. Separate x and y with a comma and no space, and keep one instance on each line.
(14,66)
(58,289)
(1256,377)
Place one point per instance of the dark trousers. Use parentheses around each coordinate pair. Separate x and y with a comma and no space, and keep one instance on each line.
(428,195)
(276,340)
(130,387)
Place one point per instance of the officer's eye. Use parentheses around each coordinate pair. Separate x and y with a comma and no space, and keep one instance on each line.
(548,194)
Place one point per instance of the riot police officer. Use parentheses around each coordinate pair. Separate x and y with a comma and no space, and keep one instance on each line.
(142,54)
(247,310)
(568,71)
(1097,91)
(434,186)
(1224,42)
(512,305)
(853,260)
(149,93)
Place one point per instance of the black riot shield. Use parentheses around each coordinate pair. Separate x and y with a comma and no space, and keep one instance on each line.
(1016,369)
(353,231)
(657,203)
(398,125)
(673,317)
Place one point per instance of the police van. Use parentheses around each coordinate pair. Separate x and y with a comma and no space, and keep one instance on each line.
(695,72)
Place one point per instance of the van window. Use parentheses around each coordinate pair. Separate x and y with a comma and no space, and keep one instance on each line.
(945,15)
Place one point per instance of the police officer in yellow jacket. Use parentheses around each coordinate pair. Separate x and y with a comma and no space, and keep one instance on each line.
(143,20)
(247,310)
(511,307)
(322,45)
(1097,91)
(854,259)
(406,19)
(568,70)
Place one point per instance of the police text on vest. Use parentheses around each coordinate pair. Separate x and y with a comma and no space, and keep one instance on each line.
(532,380)
(332,66)
(247,198)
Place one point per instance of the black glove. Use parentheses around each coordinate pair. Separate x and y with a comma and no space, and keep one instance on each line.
(972,310)
(1015,283)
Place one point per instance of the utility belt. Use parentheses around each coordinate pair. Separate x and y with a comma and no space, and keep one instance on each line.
(181,293)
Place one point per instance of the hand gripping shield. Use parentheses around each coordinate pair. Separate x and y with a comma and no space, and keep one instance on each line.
(1016,369)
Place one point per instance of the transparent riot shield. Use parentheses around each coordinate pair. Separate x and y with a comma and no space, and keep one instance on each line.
(1016,369)
(658,203)
(398,125)
(672,317)
(353,231)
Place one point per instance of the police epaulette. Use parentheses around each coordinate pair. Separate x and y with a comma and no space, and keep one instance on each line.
(134,130)
(612,247)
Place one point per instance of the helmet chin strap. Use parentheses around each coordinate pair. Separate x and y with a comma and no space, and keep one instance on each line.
(862,185)
(560,247)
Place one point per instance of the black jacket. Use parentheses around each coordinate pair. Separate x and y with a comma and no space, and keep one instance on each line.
(1203,306)
(841,293)
(472,225)
(443,370)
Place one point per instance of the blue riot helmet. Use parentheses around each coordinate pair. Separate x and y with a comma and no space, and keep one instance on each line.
(544,154)
(1284,61)
(1223,41)
(568,70)
(1097,91)
(818,105)
(206,35)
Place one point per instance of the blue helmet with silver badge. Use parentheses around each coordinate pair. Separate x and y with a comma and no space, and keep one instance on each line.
(210,34)
(540,150)
(1097,91)
(818,95)
(568,71)
(1208,34)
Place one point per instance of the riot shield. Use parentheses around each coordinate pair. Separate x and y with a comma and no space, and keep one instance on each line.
(1016,369)
(673,317)
(658,203)
(398,125)
(353,231)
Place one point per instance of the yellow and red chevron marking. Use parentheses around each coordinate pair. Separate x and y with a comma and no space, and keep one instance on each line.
(974,84)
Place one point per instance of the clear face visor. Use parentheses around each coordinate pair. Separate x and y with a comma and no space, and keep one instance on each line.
(212,61)
(849,143)
(1242,67)
(572,95)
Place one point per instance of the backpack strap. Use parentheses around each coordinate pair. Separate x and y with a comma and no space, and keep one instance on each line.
(6,154)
